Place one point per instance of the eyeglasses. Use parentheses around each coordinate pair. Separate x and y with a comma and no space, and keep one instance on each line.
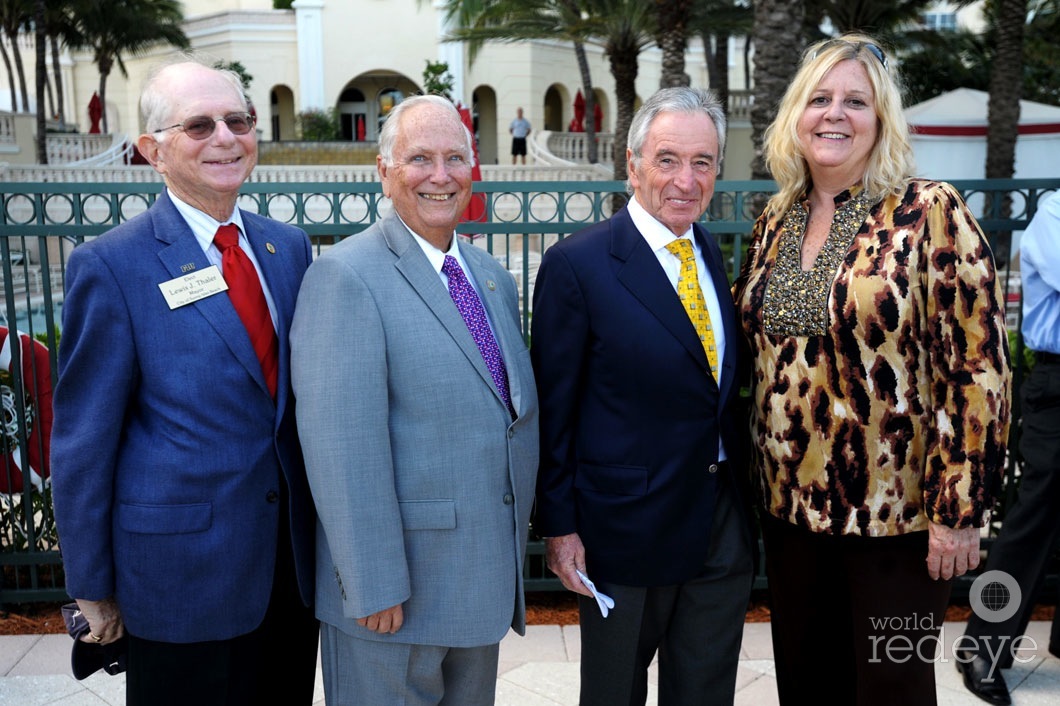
(199,127)
(856,46)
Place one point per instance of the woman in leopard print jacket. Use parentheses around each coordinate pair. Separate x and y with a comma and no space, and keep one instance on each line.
(880,398)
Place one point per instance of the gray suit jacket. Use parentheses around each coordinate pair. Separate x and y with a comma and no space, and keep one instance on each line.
(422,481)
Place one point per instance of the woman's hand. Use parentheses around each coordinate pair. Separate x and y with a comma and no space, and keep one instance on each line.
(951,552)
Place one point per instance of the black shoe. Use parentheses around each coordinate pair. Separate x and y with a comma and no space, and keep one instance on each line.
(976,673)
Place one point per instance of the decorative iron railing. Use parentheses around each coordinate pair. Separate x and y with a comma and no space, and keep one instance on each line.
(41,222)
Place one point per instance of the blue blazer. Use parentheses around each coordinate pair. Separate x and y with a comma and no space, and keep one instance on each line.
(630,413)
(167,447)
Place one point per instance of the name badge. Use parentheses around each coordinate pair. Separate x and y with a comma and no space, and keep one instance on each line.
(192,287)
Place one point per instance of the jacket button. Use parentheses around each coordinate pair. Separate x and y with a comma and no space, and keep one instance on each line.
(508,499)
(511,433)
(272,496)
(713,468)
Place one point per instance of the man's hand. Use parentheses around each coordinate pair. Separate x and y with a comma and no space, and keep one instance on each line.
(385,621)
(951,552)
(104,621)
(564,556)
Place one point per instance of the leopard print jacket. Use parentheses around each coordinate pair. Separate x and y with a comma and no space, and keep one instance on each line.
(881,390)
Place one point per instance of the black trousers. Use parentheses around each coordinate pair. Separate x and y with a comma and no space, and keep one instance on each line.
(855,620)
(1032,525)
(695,627)
(273,664)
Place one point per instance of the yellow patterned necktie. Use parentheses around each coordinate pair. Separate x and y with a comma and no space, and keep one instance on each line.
(692,299)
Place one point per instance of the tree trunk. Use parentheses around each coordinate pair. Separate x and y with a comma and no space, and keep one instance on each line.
(624,69)
(105,65)
(21,73)
(591,148)
(718,66)
(10,77)
(1006,81)
(42,74)
(778,47)
(672,38)
(716,54)
(1003,109)
(58,73)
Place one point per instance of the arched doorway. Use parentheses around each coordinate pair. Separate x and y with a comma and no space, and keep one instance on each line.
(353,115)
(367,98)
(484,114)
(281,114)
(556,98)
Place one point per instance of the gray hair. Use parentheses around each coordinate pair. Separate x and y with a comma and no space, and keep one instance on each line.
(158,106)
(680,99)
(388,135)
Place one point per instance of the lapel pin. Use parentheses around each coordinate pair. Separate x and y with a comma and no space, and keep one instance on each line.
(491,285)
(188,267)
(270,248)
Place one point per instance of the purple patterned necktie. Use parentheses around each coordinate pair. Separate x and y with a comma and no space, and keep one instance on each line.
(470,307)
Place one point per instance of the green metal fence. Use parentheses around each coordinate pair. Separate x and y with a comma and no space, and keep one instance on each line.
(40,223)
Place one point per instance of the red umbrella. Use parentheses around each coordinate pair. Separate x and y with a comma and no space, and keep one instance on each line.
(578,123)
(476,208)
(95,112)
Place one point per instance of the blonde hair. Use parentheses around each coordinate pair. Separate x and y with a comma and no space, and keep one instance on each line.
(890,163)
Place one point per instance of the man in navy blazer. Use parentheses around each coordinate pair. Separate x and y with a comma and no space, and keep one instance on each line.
(183,510)
(637,485)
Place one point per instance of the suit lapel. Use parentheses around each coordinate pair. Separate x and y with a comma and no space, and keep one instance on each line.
(275,268)
(182,250)
(641,274)
(711,255)
(416,269)
(505,330)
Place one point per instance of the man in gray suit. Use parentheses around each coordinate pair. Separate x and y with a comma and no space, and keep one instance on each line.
(417,412)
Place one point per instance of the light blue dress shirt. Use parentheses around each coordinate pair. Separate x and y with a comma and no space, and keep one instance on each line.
(1040,273)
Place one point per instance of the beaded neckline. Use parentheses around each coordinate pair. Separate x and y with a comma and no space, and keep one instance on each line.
(796,300)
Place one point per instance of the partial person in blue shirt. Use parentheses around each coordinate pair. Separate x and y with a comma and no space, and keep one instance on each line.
(1032,524)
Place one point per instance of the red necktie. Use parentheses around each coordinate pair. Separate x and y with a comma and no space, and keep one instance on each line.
(244,289)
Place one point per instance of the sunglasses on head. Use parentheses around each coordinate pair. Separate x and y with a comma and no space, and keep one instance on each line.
(856,46)
(199,127)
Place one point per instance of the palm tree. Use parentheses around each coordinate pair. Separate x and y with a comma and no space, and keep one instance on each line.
(876,17)
(1003,108)
(778,44)
(479,21)
(111,28)
(936,62)
(42,78)
(14,16)
(673,23)
(622,27)
(626,27)
(60,27)
(716,21)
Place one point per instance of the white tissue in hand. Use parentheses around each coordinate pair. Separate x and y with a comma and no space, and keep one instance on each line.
(603,600)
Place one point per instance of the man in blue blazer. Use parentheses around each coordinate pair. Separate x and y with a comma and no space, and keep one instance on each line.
(184,515)
(421,454)
(637,487)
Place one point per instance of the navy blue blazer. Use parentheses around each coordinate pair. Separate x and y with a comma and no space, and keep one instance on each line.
(630,413)
(167,448)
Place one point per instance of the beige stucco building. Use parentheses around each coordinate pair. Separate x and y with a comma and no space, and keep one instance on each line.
(358,56)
